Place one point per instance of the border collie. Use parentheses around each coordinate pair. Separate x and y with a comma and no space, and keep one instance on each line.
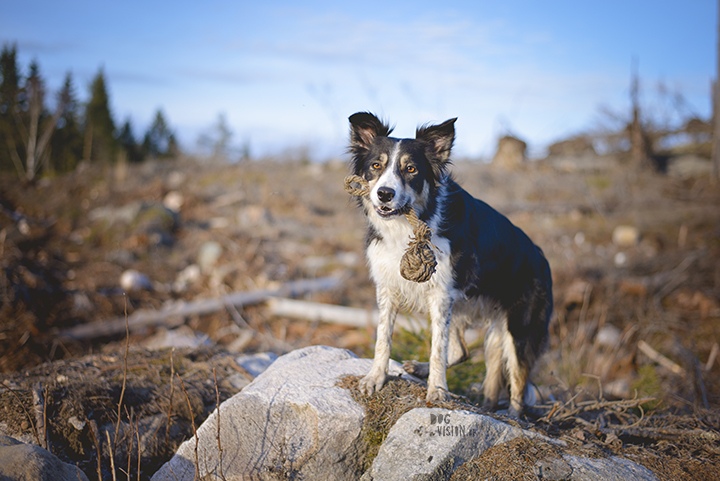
(487,268)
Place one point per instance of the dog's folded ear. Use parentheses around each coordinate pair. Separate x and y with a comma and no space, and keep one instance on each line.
(364,127)
(439,138)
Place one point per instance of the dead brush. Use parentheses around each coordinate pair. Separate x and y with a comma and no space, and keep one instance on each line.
(577,364)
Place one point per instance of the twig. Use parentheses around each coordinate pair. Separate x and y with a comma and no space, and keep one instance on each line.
(172,389)
(95,434)
(586,303)
(130,441)
(599,381)
(46,436)
(38,403)
(237,317)
(137,436)
(699,381)
(676,276)
(112,456)
(27,414)
(125,368)
(659,358)
(192,420)
(558,414)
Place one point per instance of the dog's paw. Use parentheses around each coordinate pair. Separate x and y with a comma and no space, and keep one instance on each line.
(515,412)
(417,369)
(490,404)
(436,395)
(515,409)
(372,383)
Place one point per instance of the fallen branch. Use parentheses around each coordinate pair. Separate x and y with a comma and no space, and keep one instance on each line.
(330,313)
(711,358)
(658,434)
(646,349)
(148,318)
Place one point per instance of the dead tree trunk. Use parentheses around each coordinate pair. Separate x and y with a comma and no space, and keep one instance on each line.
(37,136)
(640,150)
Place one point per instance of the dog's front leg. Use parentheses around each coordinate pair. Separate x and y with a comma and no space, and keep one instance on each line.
(440,324)
(377,376)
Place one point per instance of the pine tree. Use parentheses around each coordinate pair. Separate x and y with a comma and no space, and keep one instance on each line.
(9,109)
(128,143)
(67,143)
(35,114)
(159,141)
(100,142)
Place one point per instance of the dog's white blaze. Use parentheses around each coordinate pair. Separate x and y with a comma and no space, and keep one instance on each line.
(392,180)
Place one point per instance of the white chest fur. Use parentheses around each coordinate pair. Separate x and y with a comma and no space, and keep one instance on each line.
(384,257)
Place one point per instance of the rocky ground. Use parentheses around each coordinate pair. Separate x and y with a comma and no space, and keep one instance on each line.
(634,259)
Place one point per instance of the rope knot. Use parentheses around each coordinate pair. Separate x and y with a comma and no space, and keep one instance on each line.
(418,262)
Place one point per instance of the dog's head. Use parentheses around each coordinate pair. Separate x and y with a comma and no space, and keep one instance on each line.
(399,172)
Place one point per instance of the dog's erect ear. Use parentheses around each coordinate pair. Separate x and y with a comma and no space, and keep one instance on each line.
(439,138)
(364,127)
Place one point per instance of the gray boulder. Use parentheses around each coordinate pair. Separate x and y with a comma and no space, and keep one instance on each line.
(291,422)
(431,443)
(27,462)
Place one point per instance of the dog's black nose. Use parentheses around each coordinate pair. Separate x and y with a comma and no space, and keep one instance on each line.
(385,194)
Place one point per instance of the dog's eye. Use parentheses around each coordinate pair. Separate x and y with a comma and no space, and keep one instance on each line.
(410,169)
(375,165)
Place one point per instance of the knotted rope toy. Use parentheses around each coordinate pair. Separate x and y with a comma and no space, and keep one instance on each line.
(418,262)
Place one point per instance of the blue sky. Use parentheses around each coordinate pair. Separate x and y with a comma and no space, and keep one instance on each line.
(287,75)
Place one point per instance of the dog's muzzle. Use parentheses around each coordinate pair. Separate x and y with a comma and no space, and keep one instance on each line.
(386,195)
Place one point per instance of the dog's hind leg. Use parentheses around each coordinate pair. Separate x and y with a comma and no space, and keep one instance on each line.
(494,340)
(457,353)
(377,376)
(517,373)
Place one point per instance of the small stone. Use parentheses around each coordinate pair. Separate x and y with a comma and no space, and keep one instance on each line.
(76,423)
(208,255)
(620,259)
(187,277)
(132,280)
(174,200)
(608,336)
(626,236)
(255,364)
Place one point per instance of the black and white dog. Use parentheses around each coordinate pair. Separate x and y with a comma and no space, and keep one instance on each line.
(486,267)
